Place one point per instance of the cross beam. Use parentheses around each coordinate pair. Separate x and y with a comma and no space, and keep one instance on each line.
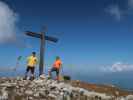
(42,38)
(33,34)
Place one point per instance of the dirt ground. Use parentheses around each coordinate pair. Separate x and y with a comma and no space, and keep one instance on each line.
(110,90)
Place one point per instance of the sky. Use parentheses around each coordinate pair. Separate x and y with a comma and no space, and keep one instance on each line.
(94,35)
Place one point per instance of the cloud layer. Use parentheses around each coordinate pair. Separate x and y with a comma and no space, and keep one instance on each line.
(117,67)
(117,12)
(130,4)
(8,19)
(114,11)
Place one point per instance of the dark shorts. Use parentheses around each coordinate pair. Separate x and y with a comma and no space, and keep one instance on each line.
(32,69)
(56,70)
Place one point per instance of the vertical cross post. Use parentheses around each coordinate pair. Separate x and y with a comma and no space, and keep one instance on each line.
(42,48)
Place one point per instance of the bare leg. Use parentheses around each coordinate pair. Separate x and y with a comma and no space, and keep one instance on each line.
(49,73)
(57,75)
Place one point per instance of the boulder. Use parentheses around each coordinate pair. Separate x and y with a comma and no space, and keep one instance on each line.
(29,92)
(52,96)
(129,97)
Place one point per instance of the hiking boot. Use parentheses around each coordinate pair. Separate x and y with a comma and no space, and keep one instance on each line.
(32,78)
(25,78)
(57,78)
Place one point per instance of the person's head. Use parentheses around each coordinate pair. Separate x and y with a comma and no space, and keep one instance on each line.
(57,57)
(34,54)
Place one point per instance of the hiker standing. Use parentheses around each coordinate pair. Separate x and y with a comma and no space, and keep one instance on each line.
(31,63)
(56,67)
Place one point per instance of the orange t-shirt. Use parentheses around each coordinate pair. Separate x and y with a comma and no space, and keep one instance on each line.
(57,64)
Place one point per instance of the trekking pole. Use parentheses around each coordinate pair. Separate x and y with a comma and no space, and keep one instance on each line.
(62,74)
(62,70)
(17,62)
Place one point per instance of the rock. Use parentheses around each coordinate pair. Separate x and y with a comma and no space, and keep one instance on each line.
(98,97)
(53,87)
(42,77)
(21,84)
(38,81)
(8,85)
(129,97)
(122,98)
(81,91)
(22,90)
(30,98)
(5,95)
(19,78)
(19,93)
(29,92)
(68,91)
(117,93)
(32,85)
(47,92)
(42,93)
(61,93)
(17,87)
(49,82)
(36,94)
(52,96)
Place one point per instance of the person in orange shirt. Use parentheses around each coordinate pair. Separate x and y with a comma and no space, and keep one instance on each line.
(56,67)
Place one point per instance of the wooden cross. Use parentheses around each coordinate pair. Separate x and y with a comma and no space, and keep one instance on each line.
(43,38)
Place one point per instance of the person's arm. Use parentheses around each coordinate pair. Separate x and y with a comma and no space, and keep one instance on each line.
(60,64)
(36,60)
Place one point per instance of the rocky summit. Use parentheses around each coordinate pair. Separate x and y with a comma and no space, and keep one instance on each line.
(47,89)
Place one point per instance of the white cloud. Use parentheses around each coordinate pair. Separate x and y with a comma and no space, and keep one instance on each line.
(115,11)
(8,21)
(117,67)
(130,4)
